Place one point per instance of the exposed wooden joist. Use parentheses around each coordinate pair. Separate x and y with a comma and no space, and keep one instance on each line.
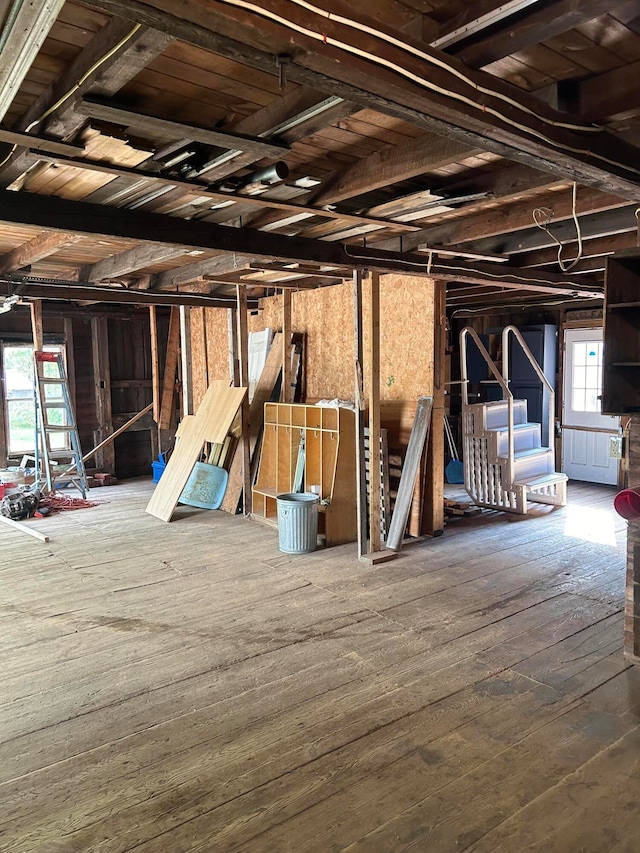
(116,54)
(82,218)
(592,248)
(35,250)
(537,137)
(206,269)
(593,225)
(42,143)
(532,27)
(399,163)
(169,129)
(129,261)
(78,292)
(202,190)
(23,36)
(609,95)
(296,114)
(513,218)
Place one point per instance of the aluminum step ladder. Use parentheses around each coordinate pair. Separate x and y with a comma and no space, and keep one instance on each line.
(56,467)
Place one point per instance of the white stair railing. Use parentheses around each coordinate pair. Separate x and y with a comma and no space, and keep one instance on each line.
(513,330)
(465,334)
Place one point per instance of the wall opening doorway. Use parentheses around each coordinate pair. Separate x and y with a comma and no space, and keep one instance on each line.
(19,400)
(585,430)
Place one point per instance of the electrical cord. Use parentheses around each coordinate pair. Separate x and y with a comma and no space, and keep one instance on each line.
(421,81)
(74,88)
(450,268)
(542,217)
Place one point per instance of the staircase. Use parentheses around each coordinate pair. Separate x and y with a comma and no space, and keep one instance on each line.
(506,465)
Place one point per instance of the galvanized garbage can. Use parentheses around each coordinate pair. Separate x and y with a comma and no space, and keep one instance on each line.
(297,523)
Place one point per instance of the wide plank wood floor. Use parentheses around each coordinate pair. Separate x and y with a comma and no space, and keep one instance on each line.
(186,687)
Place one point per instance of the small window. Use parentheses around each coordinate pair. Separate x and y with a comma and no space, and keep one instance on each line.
(587,376)
(20,401)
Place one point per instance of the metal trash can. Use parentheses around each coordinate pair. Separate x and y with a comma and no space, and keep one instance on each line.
(297,523)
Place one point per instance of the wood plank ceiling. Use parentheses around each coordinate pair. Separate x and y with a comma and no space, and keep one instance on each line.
(281,144)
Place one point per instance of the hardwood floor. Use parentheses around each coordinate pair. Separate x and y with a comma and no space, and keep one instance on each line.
(186,687)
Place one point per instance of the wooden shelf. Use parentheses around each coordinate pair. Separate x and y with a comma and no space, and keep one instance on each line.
(329,441)
(621,375)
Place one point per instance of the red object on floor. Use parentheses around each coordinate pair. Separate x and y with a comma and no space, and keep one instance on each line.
(627,504)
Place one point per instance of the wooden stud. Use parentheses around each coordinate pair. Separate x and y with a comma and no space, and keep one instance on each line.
(155,365)
(36,324)
(361,476)
(375,461)
(245,441)
(170,367)
(286,390)
(185,361)
(433,501)
(102,390)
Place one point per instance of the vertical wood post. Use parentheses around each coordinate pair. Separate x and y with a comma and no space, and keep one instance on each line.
(170,366)
(185,360)
(70,361)
(36,323)
(234,367)
(375,461)
(285,391)
(105,458)
(433,508)
(243,341)
(359,400)
(155,365)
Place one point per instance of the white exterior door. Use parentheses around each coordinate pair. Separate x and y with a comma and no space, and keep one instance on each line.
(585,430)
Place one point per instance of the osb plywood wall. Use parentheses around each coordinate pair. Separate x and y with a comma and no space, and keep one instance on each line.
(325,316)
(209,348)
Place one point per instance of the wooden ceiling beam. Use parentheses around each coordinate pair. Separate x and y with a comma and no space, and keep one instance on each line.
(129,50)
(171,130)
(391,165)
(593,248)
(79,292)
(602,224)
(130,261)
(79,217)
(200,270)
(609,95)
(531,27)
(198,189)
(513,218)
(42,246)
(43,143)
(23,36)
(525,130)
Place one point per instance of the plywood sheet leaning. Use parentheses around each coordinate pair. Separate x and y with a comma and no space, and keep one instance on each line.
(419,435)
(211,423)
(262,394)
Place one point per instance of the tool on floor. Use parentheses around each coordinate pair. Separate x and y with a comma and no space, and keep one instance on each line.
(57,463)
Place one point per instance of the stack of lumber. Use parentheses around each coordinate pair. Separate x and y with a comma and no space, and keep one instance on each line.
(211,423)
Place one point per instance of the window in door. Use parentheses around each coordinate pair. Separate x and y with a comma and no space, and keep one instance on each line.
(587,376)
(19,399)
